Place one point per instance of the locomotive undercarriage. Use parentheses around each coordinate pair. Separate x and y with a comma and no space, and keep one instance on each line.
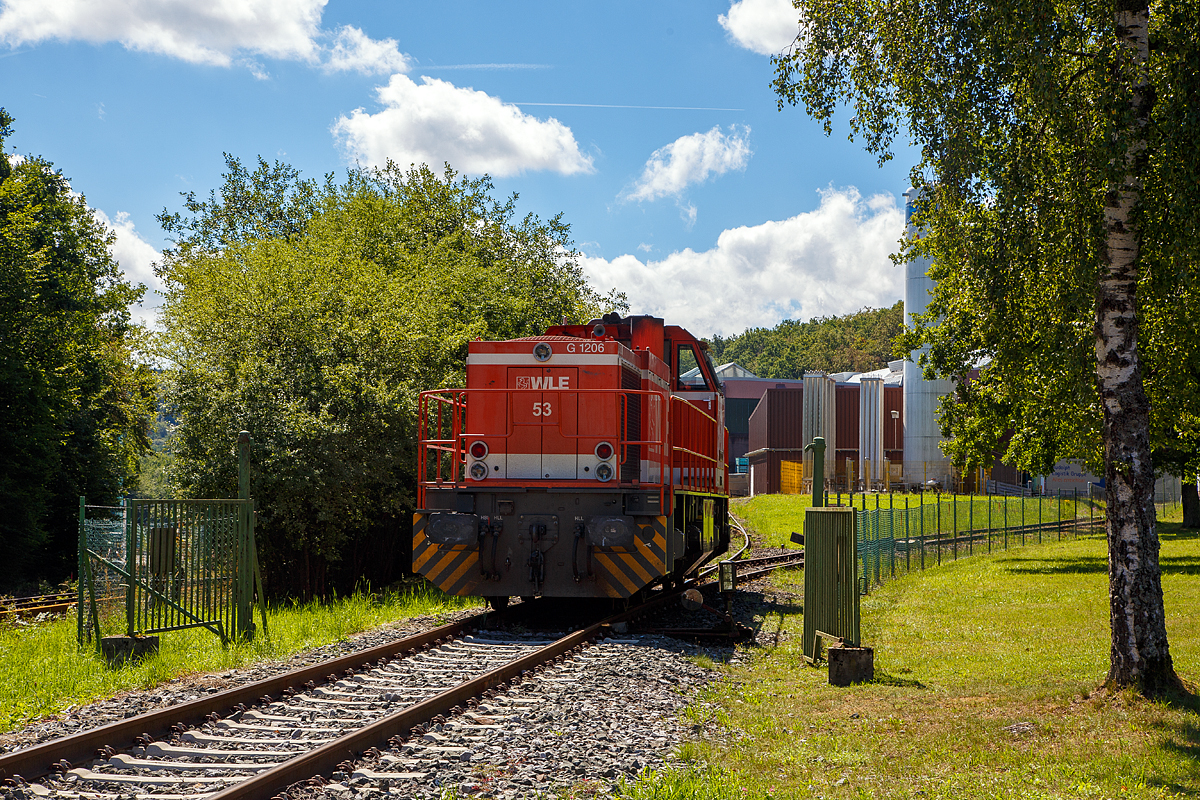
(563,543)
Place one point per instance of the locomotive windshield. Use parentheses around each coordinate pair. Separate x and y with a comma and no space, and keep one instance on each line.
(688,371)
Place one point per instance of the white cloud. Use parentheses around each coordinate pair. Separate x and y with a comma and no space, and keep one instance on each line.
(436,121)
(764,26)
(203,33)
(136,257)
(216,32)
(691,159)
(833,260)
(354,51)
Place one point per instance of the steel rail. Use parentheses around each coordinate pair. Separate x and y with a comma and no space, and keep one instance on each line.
(704,573)
(42,759)
(324,759)
(767,570)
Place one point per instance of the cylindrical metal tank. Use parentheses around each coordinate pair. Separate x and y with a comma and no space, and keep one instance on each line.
(820,418)
(870,430)
(923,459)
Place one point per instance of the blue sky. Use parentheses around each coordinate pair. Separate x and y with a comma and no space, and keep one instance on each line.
(706,205)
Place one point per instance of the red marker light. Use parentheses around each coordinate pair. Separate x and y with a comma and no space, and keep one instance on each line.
(604,451)
(479,450)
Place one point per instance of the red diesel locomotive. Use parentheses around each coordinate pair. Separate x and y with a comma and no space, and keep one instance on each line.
(588,462)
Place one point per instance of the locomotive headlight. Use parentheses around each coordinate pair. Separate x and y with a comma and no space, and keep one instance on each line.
(479,450)
(542,351)
(604,472)
(479,470)
(604,451)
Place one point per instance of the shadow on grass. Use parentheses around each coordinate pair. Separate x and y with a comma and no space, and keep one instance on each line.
(764,613)
(1182,737)
(1175,532)
(1093,565)
(892,680)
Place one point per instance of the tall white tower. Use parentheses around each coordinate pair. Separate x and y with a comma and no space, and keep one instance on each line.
(923,459)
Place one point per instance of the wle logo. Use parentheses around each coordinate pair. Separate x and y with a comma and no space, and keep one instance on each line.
(526,382)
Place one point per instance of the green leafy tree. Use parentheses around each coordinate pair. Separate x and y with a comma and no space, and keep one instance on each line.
(74,396)
(857,342)
(313,316)
(1059,177)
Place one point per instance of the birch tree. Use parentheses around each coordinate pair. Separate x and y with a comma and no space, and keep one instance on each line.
(1058,150)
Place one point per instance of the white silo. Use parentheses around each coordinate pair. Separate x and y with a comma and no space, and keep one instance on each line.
(923,459)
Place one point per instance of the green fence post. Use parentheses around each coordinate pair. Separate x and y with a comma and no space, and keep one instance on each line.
(1005,523)
(922,531)
(971,523)
(1041,497)
(907,538)
(79,574)
(988,498)
(938,533)
(131,567)
(954,518)
(817,445)
(1022,516)
(244,626)
(1075,511)
(1060,515)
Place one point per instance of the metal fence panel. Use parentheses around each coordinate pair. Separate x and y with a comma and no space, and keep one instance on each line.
(174,564)
(100,602)
(895,538)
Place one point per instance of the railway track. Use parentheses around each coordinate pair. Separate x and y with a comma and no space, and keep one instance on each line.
(26,607)
(256,740)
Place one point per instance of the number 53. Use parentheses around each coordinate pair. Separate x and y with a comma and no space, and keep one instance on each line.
(541,409)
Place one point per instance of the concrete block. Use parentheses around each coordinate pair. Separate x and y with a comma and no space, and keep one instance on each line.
(849,665)
(119,649)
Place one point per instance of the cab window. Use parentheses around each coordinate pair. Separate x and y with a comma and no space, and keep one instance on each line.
(688,374)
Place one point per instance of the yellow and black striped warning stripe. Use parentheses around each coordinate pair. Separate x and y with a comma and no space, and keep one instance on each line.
(454,570)
(621,571)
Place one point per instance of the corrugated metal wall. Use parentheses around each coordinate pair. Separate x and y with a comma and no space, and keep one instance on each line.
(847,416)
(778,420)
(737,420)
(893,430)
(765,468)
(737,415)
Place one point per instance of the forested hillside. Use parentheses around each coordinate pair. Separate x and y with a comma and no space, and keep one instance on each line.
(860,342)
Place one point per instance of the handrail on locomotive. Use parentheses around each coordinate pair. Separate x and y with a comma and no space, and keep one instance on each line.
(693,426)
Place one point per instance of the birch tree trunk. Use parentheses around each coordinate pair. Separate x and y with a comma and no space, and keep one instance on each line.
(1140,657)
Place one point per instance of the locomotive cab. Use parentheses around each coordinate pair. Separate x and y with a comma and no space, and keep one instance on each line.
(588,462)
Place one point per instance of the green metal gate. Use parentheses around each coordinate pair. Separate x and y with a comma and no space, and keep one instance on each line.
(830,577)
(186,564)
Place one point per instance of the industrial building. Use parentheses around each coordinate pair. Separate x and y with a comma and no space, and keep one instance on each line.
(880,427)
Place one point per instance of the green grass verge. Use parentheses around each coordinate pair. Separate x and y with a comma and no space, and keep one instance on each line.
(43,671)
(986,678)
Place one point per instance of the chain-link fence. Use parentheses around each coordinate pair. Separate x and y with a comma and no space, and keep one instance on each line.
(100,605)
(901,533)
(152,566)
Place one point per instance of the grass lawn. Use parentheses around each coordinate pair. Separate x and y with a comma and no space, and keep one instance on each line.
(986,677)
(42,670)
